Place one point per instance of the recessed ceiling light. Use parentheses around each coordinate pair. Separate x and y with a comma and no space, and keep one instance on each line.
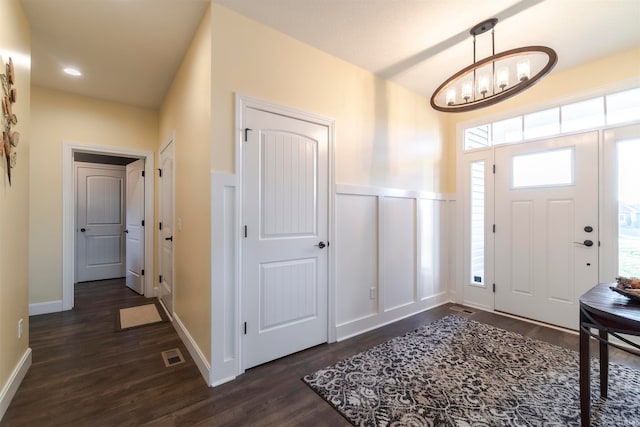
(72,72)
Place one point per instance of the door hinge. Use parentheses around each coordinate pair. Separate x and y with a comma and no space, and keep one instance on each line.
(160,278)
(245,328)
(160,173)
(494,288)
(246,130)
(494,228)
(494,169)
(142,173)
(245,231)
(143,222)
(160,226)
(142,272)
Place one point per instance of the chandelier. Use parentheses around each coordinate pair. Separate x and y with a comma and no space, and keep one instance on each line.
(494,78)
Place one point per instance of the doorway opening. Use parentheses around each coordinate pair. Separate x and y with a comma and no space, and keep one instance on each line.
(72,151)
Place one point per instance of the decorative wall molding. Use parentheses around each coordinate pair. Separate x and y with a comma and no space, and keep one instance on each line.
(225,336)
(397,255)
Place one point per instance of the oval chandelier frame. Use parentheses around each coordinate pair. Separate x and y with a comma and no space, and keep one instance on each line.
(507,92)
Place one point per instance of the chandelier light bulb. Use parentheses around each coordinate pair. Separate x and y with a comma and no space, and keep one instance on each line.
(524,70)
(483,85)
(451,95)
(467,89)
(502,77)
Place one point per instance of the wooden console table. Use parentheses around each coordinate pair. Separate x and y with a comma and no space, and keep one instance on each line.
(609,313)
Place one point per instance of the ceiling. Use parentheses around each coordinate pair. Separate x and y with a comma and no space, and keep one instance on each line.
(129,50)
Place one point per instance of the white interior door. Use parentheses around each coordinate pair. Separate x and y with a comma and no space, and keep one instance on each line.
(100,211)
(134,231)
(166,204)
(546,210)
(284,288)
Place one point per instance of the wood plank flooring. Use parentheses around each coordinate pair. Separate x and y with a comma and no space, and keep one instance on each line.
(86,374)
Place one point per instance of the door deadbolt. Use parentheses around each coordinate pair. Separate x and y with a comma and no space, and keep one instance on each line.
(588,229)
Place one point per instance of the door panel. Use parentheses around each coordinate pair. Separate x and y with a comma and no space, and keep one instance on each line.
(100,222)
(135,231)
(284,299)
(166,219)
(542,265)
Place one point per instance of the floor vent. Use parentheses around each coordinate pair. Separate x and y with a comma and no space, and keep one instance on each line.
(462,309)
(172,357)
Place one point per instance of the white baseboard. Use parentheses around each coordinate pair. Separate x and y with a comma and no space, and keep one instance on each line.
(201,362)
(11,387)
(369,323)
(45,307)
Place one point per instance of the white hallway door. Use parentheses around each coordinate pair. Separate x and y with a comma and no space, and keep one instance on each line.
(284,292)
(134,232)
(166,204)
(100,221)
(546,227)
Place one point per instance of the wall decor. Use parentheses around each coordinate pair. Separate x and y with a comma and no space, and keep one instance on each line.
(10,139)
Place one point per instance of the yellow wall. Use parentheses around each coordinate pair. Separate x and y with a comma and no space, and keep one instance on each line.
(15,42)
(59,117)
(385,135)
(557,86)
(186,110)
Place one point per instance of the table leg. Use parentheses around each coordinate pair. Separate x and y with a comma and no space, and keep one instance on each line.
(604,363)
(585,374)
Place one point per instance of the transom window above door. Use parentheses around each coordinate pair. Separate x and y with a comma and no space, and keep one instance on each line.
(607,110)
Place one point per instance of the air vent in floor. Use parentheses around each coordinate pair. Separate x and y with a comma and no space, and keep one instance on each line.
(462,309)
(172,357)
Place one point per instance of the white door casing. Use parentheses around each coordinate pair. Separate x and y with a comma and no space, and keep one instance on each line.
(542,264)
(69,184)
(134,232)
(166,235)
(100,209)
(285,265)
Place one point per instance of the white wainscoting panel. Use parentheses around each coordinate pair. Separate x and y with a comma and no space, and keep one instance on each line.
(434,247)
(356,249)
(398,252)
(224,283)
(396,241)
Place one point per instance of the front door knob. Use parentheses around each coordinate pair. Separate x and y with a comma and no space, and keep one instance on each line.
(585,243)
(320,245)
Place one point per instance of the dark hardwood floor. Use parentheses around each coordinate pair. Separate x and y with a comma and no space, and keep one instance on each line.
(86,374)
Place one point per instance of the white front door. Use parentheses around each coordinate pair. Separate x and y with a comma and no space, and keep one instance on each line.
(284,288)
(99,222)
(166,204)
(546,215)
(135,230)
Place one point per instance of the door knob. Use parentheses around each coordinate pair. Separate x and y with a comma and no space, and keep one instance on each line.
(83,230)
(321,245)
(585,243)
(126,231)
(170,238)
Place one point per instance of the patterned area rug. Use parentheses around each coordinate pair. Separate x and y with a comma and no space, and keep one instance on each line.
(458,372)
